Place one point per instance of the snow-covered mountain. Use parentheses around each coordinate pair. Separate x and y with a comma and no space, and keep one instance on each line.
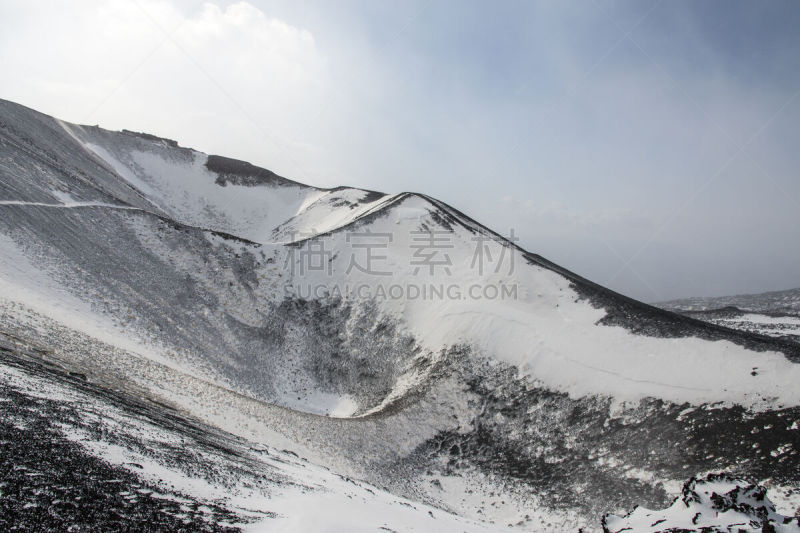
(386,338)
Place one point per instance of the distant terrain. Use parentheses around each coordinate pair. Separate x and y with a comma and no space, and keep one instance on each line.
(776,314)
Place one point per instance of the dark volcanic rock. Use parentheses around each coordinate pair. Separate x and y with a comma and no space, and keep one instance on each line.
(238,172)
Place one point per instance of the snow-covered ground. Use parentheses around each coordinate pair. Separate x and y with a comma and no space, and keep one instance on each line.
(180,183)
(460,383)
(774,326)
(717,503)
(260,488)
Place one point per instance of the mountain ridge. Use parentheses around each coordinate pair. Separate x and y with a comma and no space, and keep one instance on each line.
(566,398)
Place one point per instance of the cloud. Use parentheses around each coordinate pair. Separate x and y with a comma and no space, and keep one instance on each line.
(252,45)
(229,79)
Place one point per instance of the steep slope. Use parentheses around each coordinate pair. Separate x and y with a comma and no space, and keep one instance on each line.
(76,456)
(220,193)
(389,337)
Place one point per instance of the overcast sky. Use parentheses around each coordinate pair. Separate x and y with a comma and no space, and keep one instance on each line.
(653,147)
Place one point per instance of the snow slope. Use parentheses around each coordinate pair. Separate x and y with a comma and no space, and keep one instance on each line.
(220,193)
(216,481)
(548,330)
(717,503)
(471,376)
